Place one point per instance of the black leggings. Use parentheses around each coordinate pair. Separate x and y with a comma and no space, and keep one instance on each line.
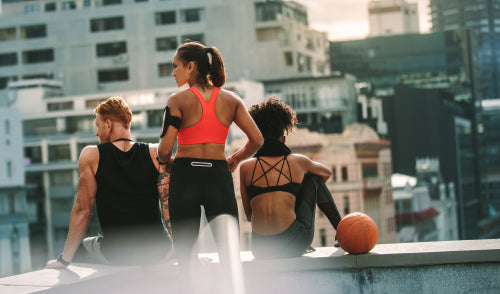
(295,240)
(195,182)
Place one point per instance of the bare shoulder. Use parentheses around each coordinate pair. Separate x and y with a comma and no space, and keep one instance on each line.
(89,157)
(299,158)
(230,96)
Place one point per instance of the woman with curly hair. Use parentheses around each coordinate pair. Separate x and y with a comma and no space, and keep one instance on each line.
(280,189)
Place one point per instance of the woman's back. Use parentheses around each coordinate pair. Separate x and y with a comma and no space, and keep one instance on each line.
(191,110)
(279,178)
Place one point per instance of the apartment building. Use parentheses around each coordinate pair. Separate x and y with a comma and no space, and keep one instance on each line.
(14,232)
(392,17)
(99,46)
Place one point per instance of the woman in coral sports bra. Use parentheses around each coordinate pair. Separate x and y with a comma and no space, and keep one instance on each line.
(199,119)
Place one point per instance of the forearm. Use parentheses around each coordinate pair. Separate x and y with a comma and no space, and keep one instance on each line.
(163,186)
(246,151)
(78,224)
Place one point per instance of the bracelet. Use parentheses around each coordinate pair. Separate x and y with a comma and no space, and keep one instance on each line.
(160,162)
(61,260)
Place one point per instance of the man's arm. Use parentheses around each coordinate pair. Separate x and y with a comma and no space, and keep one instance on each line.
(163,185)
(82,209)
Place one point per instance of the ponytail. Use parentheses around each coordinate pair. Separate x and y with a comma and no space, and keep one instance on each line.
(217,73)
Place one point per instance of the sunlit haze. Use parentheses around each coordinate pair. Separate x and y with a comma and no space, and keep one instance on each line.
(348,19)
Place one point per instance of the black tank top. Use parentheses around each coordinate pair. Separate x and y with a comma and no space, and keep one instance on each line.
(127,203)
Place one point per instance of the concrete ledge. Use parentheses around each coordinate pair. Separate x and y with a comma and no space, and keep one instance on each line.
(430,267)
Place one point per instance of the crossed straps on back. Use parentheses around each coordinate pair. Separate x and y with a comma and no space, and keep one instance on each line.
(271,167)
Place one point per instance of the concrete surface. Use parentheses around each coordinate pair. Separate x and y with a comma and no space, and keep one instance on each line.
(430,267)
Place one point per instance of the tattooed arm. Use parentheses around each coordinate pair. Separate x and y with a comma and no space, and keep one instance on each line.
(163,185)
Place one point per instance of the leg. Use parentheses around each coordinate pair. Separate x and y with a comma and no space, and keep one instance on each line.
(222,213)
(314,191)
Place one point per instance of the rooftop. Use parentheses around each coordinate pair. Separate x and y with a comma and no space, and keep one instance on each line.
(471,266)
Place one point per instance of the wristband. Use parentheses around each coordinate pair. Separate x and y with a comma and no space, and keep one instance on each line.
(160,162)
(62,261)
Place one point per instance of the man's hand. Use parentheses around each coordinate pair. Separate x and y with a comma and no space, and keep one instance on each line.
(54,264)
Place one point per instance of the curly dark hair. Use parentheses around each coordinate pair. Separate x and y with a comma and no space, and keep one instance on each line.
(273,117)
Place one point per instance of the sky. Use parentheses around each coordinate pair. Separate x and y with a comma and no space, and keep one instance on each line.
(348,19)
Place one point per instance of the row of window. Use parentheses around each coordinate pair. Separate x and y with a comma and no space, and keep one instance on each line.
(101,24)
(28,57)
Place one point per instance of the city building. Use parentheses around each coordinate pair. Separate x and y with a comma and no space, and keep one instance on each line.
(428,123)
(442,197)
(392,17)
(324,104)
(482,17)
(415,216)
(440,60)
(361,181)
(102,46)
(489,145)
(14,233)
(55,130)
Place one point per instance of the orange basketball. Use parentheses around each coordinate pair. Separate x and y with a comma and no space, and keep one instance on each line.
(357,233)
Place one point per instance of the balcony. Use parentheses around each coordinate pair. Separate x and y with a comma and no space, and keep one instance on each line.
(430,267)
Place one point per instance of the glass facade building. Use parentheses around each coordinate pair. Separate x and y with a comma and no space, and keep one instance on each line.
(483,17)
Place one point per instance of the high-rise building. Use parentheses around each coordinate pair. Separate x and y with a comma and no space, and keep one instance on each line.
(98,46)
(489,144)
(392,17)
(441,60)
(483,17)
(14,232)
(428,123)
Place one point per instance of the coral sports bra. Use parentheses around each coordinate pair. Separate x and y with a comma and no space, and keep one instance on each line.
(209,129)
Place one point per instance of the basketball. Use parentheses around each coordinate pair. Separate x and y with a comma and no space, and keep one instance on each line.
(357,233)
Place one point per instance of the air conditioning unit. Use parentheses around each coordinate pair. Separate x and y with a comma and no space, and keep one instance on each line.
(120,59)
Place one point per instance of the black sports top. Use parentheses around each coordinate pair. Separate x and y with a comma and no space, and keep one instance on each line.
(290,187)
(127,203)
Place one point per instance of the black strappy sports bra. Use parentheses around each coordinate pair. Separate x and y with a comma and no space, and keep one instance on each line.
(291,187)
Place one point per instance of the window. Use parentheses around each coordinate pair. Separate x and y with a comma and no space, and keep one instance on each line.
(166,17)
(7,34)
(191,15)
(61,178)
(165,69)
(369,171)
(32,8)
(92,103)
(37,56)
(288,58)
(60,106)
(111,2)
(86,3)
(51,6)
(12,203)
(194,37)
(69,5)
(334,174)
(7,126)
(33,154)
(7,59)
(267,11)
(59,152)
(112,75)
(9,169)
(106,24)
(111,49)
(34,31)
(344,173)
(166,43)
(300,62)
(346,205)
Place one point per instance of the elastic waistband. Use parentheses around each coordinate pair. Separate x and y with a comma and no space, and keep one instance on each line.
(199,162)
